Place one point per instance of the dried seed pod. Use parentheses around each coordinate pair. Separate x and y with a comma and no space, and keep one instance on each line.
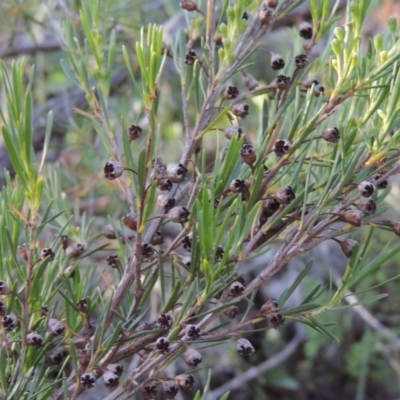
(192,357)
(134,132)
(189,5)
(58,356)
(3,309)
(285,195)
(177,173)
(34,340)
(187,243)
(231,312)
(109,233)
(4,288)
(245,16)
(237,185)
(301,61)
(165,202)
(185,382)
(187,261)
(231,92)
(331,135)
(164,185)
(116,369)
(232,130)
(90,328)
(113,261)
(179,215)
(64,241)
(147,250)
(82,305)
(277,62)
(9,322)
(318,90)
(171,390)
(241,110)
(88,380)
(269,307)
(271,3)
(149,391)
(56,328)
(305,30)
(110,379)
(76,250)
(249,81)
(191,57)
(282,147)
(84,356)
(368,207)
(353,217)
(276,320)
(307,84)
(236,289)
(23,252)
(382,185)
(366,188)
(164,321)
(248,154)
(244,347)
(163,345)
(157,239)
(130,221)
(268,209)
(348,246)
(264,14)
(282,82)
(113,170)
(219,253)
(47,253)
(193,331)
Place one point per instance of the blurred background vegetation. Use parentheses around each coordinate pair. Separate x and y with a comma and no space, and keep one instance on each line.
(365,361)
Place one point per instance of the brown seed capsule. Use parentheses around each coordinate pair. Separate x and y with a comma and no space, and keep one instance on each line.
(231,92)
(193,331)
(348,246)
(191,57)
(179,215)
(271,3)
(134,132)
(130,221)
(381,185)
(282,147)
(34,340)
(149,391)
(9,322)
(305,30)
(4,288)
(353,217)
(157,239)
(318,90)
(331,135)
(177,174)
(219,253)
(82,305)
(164,185)
(110,379)
(3,309)
(236,289)
(64,241)
(237,185)
(244,347)
(192,357)
(56,328)
(113,170)
(282,82)
(307,84)
(187,243)
(366,188)
(249,81)
(189,5)
(116,369)
(90,328)
(245,16)
(269,307)
(301,61)
(231,312)
(165,202)
(47,253)
(241,110)
(23,252)
(108,232)
(185,382)
(276,320)
(232,130)
(268,209)
(248,154)
(163,345)
(88,380)
(285,195)
(171,390)
(277,62)
(76,250)
(164,321)
(147,250)
(58,356)
(113,261)
(368,207)
(264,14)
(84,356)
